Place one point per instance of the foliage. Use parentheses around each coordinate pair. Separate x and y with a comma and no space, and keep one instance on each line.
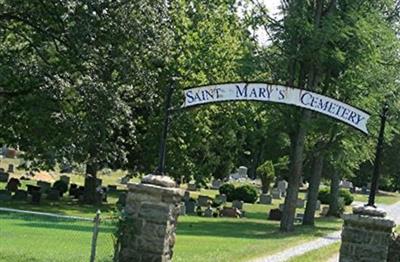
(246,193)
(228,190)
(325,196)
(266,172)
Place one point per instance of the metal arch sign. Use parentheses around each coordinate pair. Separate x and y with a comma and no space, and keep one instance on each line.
(264,92)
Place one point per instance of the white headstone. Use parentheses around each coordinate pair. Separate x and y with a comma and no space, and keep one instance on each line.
(242,171)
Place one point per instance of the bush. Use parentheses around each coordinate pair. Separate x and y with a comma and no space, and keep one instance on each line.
(61,186)
(325,196)
(266,172)
(246,193)
(227,189)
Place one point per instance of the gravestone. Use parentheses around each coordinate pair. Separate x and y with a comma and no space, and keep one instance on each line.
(112,188)
(32,189)
(190,207)
(44,186)
(300,203)
(275,214)
(202,201)
(125,180)
(73,190)
(208,212)
(299,218)
(10,168)
(192,186)
(11,153)
(5,195)
(154,210)
(36,197)
(53,195)
(182,210)
(276,194)
(220,199)
(216,184)
(231,212)
(4,177)
(186,196)
(324,211)
(282,187)
(237,204)
(346,184)
(13,184)
(265,199)
(20,195)
(318,206)
(242,171)
(92,192)
(65,179)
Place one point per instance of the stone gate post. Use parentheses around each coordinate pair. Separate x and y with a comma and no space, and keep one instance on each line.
(366,235)
(151,213)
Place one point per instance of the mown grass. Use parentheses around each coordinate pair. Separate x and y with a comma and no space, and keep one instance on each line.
(387,198)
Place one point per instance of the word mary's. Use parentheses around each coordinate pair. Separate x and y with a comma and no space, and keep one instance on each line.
(278,94)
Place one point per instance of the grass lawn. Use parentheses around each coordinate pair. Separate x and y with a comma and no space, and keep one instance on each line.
(321,254)
(387,198)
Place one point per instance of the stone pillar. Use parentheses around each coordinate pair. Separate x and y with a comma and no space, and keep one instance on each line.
(151,213)
(366,235)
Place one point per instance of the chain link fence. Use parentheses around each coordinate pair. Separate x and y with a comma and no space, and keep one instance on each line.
(35,236)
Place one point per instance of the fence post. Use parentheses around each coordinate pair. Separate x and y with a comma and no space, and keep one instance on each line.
(94,237)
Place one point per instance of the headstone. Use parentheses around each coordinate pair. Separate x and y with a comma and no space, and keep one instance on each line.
(318,206)
(276,194)
(345,184)
(282,187)
(20,195)
(44,186)
(32,189)
(112,188)
(66,179)
(73,190)
(237,204)
(93,190)
(208,212)
(125,180)
(5,195)
(182,210)
(242,171)
(324,211)
(192,186)
(203,201)
(13,184)
(299,218)
(4,177)
(220,199)
(275,214)
(231,212)
(53,195)
(281,207)
(36,197)
(10,168)
(300,203)
(190,207)
(186,196)
(11,153)
(265,199)
(216,184)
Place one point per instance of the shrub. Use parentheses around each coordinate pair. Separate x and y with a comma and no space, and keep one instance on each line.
(61,186)
(325,196)
(227,189)
(246,193)
(266,172)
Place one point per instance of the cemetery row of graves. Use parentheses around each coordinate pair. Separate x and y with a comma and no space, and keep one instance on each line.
(222,212)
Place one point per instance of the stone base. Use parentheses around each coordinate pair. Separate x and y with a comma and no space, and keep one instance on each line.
(366,236)
(151,212)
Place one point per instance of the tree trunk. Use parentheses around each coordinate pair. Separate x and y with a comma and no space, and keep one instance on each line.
(90,195)
(313,190)
(334,209)
(289,210)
